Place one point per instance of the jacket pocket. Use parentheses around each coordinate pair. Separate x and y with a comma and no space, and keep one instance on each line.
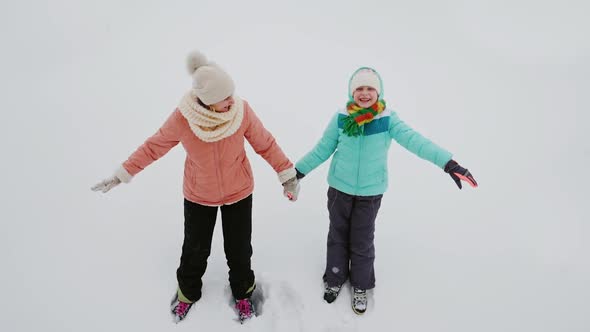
(342,173)
(372,179)
(241,178)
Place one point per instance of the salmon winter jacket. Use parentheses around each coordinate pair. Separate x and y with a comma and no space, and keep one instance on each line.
(215,173)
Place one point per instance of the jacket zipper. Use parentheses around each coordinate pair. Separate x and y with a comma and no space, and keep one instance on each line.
(358,169)
(217,167)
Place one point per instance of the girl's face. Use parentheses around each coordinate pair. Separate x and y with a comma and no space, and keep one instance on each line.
(223,106)
(365,96)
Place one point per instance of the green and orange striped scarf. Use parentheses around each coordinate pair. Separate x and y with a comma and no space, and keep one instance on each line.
(358,117)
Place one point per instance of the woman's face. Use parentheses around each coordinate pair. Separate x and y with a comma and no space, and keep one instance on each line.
(365,96)
(223,106)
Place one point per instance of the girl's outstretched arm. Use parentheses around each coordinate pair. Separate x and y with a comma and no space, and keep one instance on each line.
(414,142)
(426,149)
(322,151)
(151,150)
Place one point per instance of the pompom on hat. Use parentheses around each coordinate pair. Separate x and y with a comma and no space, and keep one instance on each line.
(365,76)
(210,83)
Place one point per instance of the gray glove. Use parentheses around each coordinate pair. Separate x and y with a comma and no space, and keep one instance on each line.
(291,189)
(106,184)
(121,175)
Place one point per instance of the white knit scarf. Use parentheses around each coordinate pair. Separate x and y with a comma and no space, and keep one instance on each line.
(208,125)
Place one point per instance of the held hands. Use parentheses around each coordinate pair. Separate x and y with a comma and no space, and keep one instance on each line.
(291,189)
(459,173)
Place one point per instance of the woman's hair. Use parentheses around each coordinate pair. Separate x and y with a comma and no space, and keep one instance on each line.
(206,106)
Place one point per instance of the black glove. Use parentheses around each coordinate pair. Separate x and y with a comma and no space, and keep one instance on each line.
(459,173)
(299,174)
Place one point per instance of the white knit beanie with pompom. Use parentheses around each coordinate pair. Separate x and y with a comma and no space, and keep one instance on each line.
(210,83)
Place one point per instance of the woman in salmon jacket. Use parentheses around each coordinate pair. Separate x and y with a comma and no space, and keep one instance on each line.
(212,122)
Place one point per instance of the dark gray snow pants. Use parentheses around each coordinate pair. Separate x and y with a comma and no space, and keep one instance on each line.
(351,251)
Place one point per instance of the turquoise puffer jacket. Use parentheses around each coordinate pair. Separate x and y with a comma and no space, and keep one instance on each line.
(359,165)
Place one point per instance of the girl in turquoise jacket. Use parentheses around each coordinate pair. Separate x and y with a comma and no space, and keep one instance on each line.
(359,138)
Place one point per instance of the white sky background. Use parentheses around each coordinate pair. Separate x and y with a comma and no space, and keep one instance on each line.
(502,84)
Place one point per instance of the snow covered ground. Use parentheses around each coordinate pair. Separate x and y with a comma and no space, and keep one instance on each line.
(502,84)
